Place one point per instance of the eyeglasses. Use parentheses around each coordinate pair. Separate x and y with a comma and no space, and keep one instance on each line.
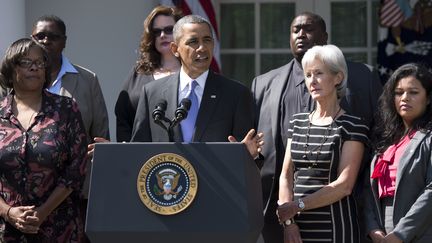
(52,36)
(27,63)
(168,30)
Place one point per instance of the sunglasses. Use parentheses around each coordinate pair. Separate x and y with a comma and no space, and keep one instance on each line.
(42,35)
(167,30)
(27,63)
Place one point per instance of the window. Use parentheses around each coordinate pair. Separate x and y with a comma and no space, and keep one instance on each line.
(254,37)
(255,33)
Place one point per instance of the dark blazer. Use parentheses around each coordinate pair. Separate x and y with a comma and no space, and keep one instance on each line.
(226,109)
(412,210)
(127,102)
(363,90)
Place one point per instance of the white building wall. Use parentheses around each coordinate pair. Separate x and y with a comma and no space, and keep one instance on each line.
(12,22)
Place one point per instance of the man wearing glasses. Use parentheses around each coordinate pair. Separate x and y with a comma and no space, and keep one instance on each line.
(73,81)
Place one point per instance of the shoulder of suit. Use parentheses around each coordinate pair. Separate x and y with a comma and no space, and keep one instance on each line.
(275,72)
(358,66)
(149,84)
(427,133)
(232,83)
(84,71)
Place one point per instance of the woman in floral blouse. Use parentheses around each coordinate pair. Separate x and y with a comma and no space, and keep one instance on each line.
(42,152)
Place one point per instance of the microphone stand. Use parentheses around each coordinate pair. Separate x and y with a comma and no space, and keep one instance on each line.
(180,114)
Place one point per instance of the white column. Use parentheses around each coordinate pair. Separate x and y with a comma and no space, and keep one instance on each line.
(12,19)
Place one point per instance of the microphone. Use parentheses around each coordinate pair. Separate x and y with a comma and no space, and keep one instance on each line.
(182,111)
(158,113)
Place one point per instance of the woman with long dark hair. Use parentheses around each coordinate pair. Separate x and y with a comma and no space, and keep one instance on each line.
(399,185)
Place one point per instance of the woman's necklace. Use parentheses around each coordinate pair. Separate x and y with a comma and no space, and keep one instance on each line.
(308,151)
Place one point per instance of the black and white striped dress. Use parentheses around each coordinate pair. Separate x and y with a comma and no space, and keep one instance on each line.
(316,165)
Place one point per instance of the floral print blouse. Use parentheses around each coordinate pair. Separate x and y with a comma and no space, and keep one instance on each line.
(33,162)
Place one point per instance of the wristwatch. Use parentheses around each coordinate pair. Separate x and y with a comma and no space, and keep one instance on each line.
(301,204)
(288,222)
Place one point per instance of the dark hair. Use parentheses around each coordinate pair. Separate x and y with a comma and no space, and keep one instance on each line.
(316,18)
(52,18)
(188,19)
(150,58)
(389,127)
(14,53)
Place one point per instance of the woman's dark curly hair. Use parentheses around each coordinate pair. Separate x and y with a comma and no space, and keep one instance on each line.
(389,127)
(14,53)
(150,58)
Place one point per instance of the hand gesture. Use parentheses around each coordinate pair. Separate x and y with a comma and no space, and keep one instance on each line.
(253,141)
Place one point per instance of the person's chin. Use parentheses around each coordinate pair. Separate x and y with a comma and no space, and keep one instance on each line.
(202,64)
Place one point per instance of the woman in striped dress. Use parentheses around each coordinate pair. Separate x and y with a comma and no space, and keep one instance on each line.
(323,157)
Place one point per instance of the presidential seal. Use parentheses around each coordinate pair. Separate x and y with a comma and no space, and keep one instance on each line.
(167,184)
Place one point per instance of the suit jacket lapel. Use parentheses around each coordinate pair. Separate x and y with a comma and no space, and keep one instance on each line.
(373,182)
(276,92)
(170,94)
(210,98)
(68,85)
(408,154)
(374,188)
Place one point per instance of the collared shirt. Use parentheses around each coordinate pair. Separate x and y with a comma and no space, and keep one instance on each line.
(388,164)
(66,67)
(295,99)
(185,80)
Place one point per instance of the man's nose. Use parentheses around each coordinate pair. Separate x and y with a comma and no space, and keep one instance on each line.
(202,47)
(302,33)
(44,41)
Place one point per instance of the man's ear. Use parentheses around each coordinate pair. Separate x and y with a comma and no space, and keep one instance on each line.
(325,38)
(174,47)
(322,39)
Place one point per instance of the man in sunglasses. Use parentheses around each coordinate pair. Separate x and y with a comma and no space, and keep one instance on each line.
(73,81)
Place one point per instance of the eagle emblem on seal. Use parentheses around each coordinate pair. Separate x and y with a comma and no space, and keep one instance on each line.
(167,184)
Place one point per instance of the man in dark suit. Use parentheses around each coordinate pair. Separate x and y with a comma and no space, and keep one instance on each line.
(281,93)
(224,107)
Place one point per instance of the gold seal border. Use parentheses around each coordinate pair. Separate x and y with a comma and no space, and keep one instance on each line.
(155,161)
